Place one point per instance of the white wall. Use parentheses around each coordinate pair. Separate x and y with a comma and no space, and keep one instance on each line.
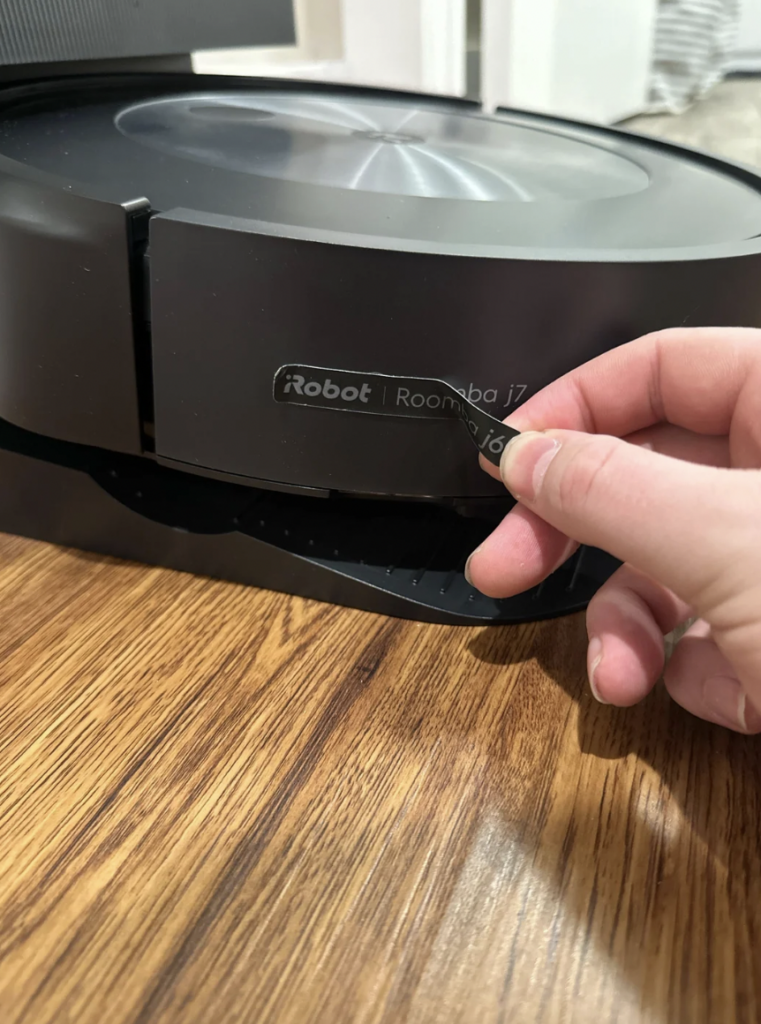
(406,44)
(444,36)
(587,59)
(400,44)
(516,52)
(749,33)
(383,42)
(747,55)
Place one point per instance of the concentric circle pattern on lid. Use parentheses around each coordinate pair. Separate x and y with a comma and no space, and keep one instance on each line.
(387,147)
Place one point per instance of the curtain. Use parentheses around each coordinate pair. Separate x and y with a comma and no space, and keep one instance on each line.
(693,40)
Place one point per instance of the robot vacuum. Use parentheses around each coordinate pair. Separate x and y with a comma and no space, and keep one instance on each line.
(245,326)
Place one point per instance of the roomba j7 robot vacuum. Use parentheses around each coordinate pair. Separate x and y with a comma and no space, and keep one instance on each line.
(258,330)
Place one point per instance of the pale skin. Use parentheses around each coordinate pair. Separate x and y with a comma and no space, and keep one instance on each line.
(653,453)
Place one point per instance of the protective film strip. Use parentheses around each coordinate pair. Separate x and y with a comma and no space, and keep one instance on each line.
(381,395)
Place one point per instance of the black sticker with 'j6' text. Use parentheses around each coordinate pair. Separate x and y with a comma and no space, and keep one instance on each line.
(382,395)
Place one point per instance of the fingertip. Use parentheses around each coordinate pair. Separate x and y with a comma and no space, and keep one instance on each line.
(489,467)
(626,645)
(519,554)
(525,462)
(625,670)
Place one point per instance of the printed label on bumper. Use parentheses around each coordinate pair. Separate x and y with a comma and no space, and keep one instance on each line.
(381,395)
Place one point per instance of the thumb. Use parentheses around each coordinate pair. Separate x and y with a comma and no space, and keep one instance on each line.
(692,527)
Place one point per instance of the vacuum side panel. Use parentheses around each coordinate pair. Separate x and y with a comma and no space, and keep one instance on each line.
(229,307)
(67,366)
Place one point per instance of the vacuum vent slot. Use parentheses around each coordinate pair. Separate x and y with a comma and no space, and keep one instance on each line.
(141,323)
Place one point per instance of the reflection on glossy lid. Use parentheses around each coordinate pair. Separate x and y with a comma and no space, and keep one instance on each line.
(385,147)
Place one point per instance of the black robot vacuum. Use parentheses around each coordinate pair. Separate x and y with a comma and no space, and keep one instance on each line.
(237,317)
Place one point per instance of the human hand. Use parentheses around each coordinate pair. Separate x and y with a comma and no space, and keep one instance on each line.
(651,452)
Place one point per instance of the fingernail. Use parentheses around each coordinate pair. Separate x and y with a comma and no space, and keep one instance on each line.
(594,657)
(466,570)
(525,461)
(725,702)
(750,719)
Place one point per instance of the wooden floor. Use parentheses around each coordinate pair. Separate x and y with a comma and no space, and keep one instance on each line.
(224,805)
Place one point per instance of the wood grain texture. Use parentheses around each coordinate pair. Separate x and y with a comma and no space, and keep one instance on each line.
(221,804)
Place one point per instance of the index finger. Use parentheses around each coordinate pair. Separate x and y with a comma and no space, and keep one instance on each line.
(690,377)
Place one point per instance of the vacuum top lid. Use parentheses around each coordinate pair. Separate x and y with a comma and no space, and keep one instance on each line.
(380,165)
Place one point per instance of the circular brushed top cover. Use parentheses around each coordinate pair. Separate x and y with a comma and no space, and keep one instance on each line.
(377,165)
(374,146)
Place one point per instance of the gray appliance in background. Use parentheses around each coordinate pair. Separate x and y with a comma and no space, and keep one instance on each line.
(59,34)
(169,243)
